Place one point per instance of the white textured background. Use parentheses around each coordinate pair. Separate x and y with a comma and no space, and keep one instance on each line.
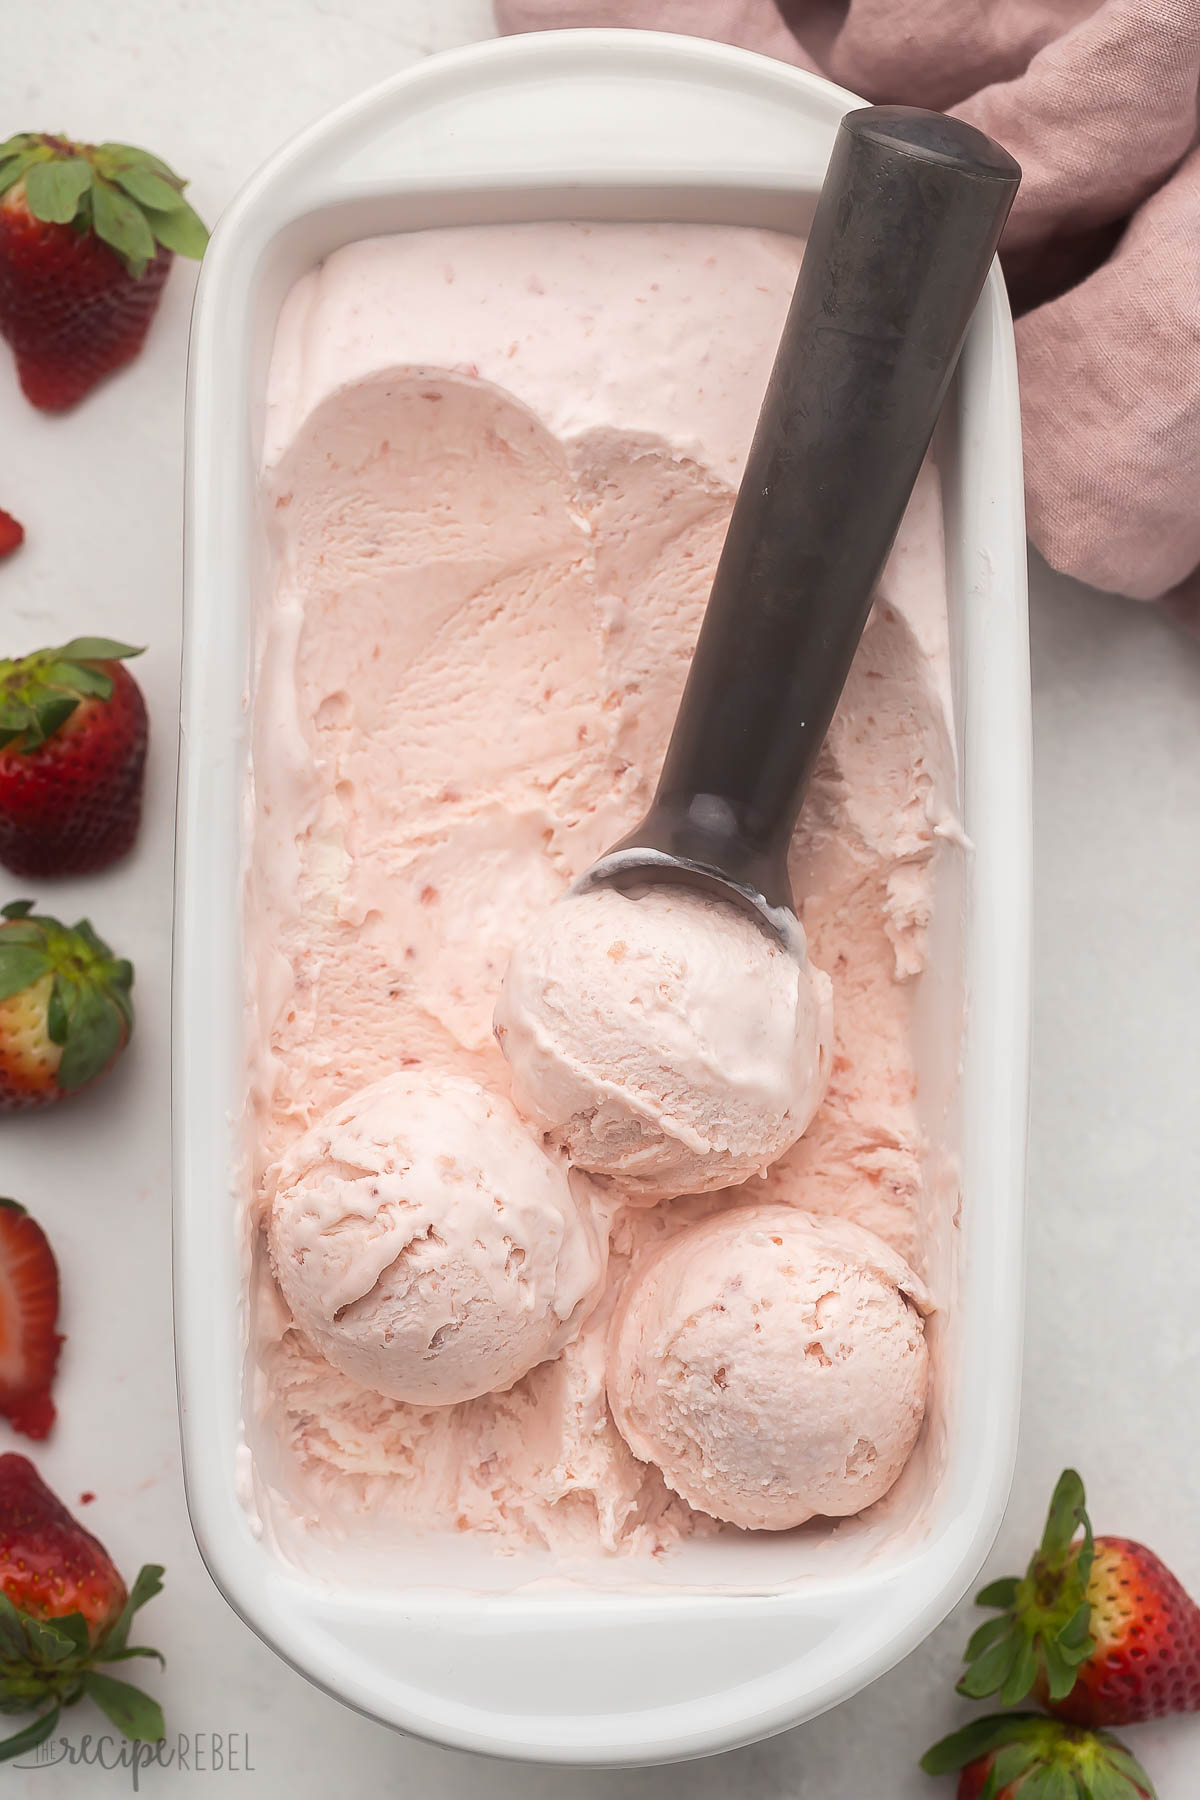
(1113,1338)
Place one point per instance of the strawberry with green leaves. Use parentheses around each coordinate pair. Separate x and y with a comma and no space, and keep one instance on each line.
(64,1610)
(87,237)
(65,1007)
(73,738)
(29,1337)
(1098,1629)
(1022,1756)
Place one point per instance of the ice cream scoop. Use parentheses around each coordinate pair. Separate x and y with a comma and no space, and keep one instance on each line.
(772,1364)
(904,234)
(428,1245)
(648,1068)
(672,1070)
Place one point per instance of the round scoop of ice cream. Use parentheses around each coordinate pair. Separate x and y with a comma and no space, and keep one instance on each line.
(772,1364)
(427,1243)
(664,1039)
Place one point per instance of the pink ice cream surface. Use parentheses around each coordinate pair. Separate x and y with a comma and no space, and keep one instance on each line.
(665,1039)
(430,1248)
(772,1365)
(499,464)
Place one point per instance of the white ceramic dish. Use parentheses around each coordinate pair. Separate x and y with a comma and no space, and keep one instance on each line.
(723,1646)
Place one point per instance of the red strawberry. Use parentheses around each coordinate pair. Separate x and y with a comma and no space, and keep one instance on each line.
(63,1609)
(1146,1630)
(1099,1630)
(29,1342)
(49,1565)
(65,1008)
(73,736)
(87,235)
(12,534)
(1025,1755)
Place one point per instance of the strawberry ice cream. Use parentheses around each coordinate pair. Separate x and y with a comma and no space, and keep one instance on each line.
(498,466)
(772,1364)
(428,1246)
(664,1039)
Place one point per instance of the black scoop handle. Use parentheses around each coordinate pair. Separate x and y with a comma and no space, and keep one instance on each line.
(904,234)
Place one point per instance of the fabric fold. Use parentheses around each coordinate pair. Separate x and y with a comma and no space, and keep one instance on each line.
(1098,102)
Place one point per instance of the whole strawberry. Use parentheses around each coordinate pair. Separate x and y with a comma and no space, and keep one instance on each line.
(73,736)
(1022,1756)
(87,235)
(12,534)
(65,1007)
(29,1338)
(63,1609)
(1098,1629)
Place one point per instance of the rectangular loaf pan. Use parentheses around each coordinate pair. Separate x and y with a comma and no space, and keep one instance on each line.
(599,125)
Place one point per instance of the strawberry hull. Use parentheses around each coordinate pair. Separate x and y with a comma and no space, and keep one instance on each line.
(1024,1754)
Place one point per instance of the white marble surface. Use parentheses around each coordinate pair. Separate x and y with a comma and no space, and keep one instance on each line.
(1113,1338)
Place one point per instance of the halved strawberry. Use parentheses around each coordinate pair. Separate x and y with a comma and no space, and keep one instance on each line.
(87,236)
(29,1339)
(12,534)
(65,1007)
(73,739)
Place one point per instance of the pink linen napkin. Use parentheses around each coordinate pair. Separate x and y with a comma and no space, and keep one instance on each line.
(1097,100)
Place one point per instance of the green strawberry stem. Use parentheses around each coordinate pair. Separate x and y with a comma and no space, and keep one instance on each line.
(90,1009)
(50,1663)
(132,200)
(1043,1759)
(39,692)
(31,1735)
(1043,1632)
